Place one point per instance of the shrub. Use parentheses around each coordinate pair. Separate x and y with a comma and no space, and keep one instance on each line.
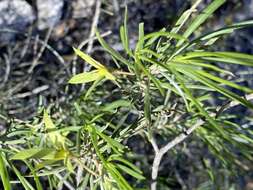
(164,89)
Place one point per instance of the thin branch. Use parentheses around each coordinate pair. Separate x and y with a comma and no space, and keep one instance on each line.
(91,38)
(94,26)
(7,70)
(35,91)
(159,155)
(154,144)
(42,49)
(49,47)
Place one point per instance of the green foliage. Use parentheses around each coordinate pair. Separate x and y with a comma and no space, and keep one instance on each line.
(4,173)
(166,72)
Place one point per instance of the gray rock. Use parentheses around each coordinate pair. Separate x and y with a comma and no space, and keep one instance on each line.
(16,15)
(49,13)
(82,8)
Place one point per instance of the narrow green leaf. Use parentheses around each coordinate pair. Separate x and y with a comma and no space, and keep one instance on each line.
(112,52)
(150,53)
(47,121)
(220,89)
(55,137)
(141,33)
(93,86)
(198,104)
(227,57)
(122,37)
(124,34)
(56,155)
(32,153)
(152,78)
(4,173)
(44,164)
(130,171)
(200,19)
(126,162)
(178,89)
(154,36)
(36,178)
(69,165)
(23,181)
(115,145)
(185,16)
(116,104)
(203,64)
(223,31)
(151,42)
(88,59)
(122,183)
(225,82)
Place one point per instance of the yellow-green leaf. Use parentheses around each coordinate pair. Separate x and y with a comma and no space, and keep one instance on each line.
(88,59)
(56,155)
(69,165)
(85,77)
(32,153)
(91,76)
(55,137)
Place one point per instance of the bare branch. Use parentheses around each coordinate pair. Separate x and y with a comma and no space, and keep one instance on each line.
(159,155)
(154,144)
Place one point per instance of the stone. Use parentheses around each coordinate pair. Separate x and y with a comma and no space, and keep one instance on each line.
(49,13)
(82,8)
(14,15)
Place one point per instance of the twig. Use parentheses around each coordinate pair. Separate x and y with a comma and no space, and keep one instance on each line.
(229,104)
(50,48)
(154,144)
(15,120)
(35,61)
(33,92)
(94,26)
(27,42)
(91,38)
(160,153)
(7,70)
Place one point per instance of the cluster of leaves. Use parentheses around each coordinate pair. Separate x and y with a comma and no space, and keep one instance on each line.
(162,87)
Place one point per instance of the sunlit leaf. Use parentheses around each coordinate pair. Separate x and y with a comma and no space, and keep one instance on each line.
(88,59)
(85,77)
(32,153)
(55,137)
